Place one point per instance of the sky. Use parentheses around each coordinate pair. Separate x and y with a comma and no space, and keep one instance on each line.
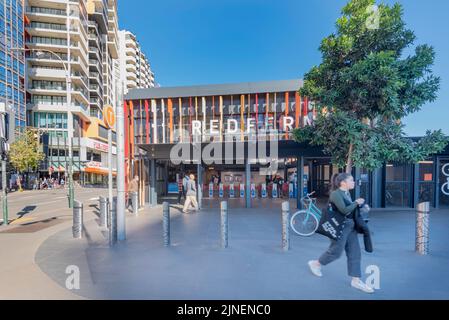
(193,42)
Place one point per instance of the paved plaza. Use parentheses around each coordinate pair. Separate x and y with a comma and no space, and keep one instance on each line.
(195,267)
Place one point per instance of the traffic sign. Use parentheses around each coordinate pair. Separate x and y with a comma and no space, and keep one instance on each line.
(109,116)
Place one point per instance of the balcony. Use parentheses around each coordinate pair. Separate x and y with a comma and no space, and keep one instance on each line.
(45,106)
(97,12)
(46,11)
(94,63)
(51,44)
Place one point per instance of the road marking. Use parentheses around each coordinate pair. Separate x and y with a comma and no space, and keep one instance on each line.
(21,220)
(93,199)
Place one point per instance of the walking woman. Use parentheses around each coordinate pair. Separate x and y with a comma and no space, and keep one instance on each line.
(190,195)
(349,241)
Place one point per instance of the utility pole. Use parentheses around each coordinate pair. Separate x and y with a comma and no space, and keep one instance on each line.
(71,194)
(121,218)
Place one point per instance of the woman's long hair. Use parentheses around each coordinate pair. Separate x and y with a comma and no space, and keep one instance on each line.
(338,178)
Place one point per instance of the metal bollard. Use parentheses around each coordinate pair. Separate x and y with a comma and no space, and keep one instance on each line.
(224,224)
(285,222)
(77,228)
(135,202)
(166,223)
(422,228)
(113,223)
(104,214)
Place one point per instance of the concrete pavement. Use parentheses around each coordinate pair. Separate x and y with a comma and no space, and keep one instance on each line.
(34,217)
(254,267)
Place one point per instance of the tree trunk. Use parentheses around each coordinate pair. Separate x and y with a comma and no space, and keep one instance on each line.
(19,182)
(349,161)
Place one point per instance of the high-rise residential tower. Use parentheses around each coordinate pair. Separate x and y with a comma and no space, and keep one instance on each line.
(135,69)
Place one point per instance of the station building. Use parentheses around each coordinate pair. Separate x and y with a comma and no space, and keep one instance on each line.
(237,140)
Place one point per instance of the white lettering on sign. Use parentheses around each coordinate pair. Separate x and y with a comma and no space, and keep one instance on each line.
(101,147)
(93,164)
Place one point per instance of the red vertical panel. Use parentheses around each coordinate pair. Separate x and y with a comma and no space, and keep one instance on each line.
(131,130)
(147,122)
(286,112)
(297,109)
(127,144)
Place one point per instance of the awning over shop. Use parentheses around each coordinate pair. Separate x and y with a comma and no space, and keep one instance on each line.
(101,171)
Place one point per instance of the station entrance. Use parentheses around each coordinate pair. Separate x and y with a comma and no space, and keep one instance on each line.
(229,182)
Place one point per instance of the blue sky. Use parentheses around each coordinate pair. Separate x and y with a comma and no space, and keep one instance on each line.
(223,41)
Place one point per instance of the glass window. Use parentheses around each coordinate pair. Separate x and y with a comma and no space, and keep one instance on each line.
(398,185)
(426,190)
(51,120)
(43,120)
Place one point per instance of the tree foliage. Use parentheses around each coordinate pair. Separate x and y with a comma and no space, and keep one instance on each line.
(365,85)
(24,151)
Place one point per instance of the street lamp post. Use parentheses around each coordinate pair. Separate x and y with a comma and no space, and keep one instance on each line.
(40,52)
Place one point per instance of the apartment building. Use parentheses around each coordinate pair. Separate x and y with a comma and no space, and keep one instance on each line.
(88,51)
(12,66)
(135,69)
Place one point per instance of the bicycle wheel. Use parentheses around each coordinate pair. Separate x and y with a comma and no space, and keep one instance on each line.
(304,223)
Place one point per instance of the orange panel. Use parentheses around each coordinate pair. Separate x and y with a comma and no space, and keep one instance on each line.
(131,131)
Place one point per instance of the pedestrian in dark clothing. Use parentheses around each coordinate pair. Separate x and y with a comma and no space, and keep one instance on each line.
(349,241)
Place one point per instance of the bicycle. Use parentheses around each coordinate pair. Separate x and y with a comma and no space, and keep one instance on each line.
(305,222)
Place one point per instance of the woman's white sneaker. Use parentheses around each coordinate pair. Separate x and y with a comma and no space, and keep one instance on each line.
(315,268)
(360,285)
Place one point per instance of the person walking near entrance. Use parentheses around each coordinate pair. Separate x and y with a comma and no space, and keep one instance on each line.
(340,199)
(190,195)
(133,187)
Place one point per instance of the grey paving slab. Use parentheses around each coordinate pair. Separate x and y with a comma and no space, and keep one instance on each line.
(253,267)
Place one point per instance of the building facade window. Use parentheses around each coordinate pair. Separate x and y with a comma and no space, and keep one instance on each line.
(398,185)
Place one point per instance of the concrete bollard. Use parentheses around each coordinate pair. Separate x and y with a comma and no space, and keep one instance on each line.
(113,223)
(104,214)
(224,224)
(166,223)
(422,228)
(285,223)
(135,202)
(77,228)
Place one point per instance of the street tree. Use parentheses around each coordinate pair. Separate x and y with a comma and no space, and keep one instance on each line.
(370,78)
(24,152)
